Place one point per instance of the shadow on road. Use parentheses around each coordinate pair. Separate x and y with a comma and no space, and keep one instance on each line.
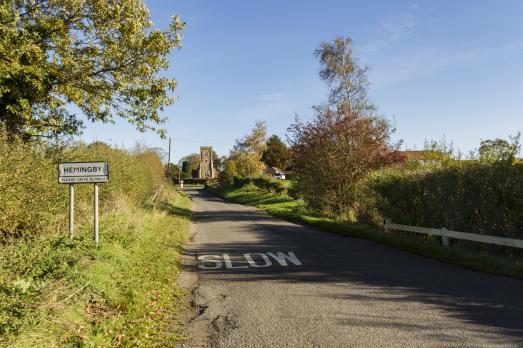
(478,298)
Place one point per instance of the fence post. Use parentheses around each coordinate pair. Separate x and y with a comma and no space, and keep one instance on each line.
(444,239)
(386,223)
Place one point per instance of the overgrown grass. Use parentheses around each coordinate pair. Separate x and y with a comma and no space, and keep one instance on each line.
(295,210)
(56,292)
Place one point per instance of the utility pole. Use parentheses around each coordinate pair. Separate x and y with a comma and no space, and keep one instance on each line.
(169,161)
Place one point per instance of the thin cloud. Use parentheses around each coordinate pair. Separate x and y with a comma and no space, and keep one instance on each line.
(392,29)
(434,60)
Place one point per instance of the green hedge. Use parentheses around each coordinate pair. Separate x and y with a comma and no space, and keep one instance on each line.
(477,198)
(264,183)
(32,200)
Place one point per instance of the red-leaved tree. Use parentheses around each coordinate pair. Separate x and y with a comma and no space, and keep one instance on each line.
(334,152)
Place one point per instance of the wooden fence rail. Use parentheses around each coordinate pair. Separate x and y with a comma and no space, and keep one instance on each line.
(446,234)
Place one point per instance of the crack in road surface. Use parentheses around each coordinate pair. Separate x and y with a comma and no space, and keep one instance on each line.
(265,282)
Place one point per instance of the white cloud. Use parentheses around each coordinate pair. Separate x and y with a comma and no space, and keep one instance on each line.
(391,29)
(398,26)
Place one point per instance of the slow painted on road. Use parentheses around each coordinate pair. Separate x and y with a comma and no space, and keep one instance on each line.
(264,282)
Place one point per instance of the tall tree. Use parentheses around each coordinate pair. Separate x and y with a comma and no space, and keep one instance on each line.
(248,151)
(105,57)
(217,161)
(345,141)
(346,78)
(174,170)
(255,141)
(276,153)
(190,165)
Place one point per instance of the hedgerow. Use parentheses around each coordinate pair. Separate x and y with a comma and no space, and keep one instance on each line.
(33,202)
(262,182)
(471,196)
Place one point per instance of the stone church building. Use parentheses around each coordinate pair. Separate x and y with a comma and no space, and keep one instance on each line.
(206,168)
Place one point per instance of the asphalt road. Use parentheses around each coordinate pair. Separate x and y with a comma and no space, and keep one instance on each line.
(265,282)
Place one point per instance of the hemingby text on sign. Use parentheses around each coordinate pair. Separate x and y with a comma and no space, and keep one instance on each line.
(83,172)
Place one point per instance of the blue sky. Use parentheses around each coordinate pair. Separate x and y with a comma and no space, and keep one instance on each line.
(449,69)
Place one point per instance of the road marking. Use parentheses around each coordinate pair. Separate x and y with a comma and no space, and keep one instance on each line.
(282,258)
(254,260)
(253,263)
(209,258)
(229,264)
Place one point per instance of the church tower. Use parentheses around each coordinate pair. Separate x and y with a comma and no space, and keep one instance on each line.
(206,170)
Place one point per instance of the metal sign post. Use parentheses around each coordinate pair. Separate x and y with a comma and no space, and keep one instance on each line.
(83,173)
(71,210)
(96,213)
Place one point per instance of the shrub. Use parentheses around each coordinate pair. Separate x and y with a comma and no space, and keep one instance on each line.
(212,183)
(263,183)
(229,171)
(334,152)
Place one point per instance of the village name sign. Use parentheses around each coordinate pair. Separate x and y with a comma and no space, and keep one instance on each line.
(83,173)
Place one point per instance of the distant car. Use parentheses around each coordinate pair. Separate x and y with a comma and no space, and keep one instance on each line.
(279,176)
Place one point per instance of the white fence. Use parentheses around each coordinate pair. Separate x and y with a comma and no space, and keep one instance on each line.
(446,234)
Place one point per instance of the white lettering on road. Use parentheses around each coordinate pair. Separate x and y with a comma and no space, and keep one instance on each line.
(282,258)
(210,258)
(252,263)
(229,264)
(255,260)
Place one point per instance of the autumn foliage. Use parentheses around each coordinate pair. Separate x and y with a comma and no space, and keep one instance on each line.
(334,152)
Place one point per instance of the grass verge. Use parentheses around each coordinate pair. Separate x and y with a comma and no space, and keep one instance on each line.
(55,292)
(294,210)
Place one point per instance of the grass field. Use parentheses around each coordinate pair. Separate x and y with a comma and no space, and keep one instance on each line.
(295,210)
(56,292)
